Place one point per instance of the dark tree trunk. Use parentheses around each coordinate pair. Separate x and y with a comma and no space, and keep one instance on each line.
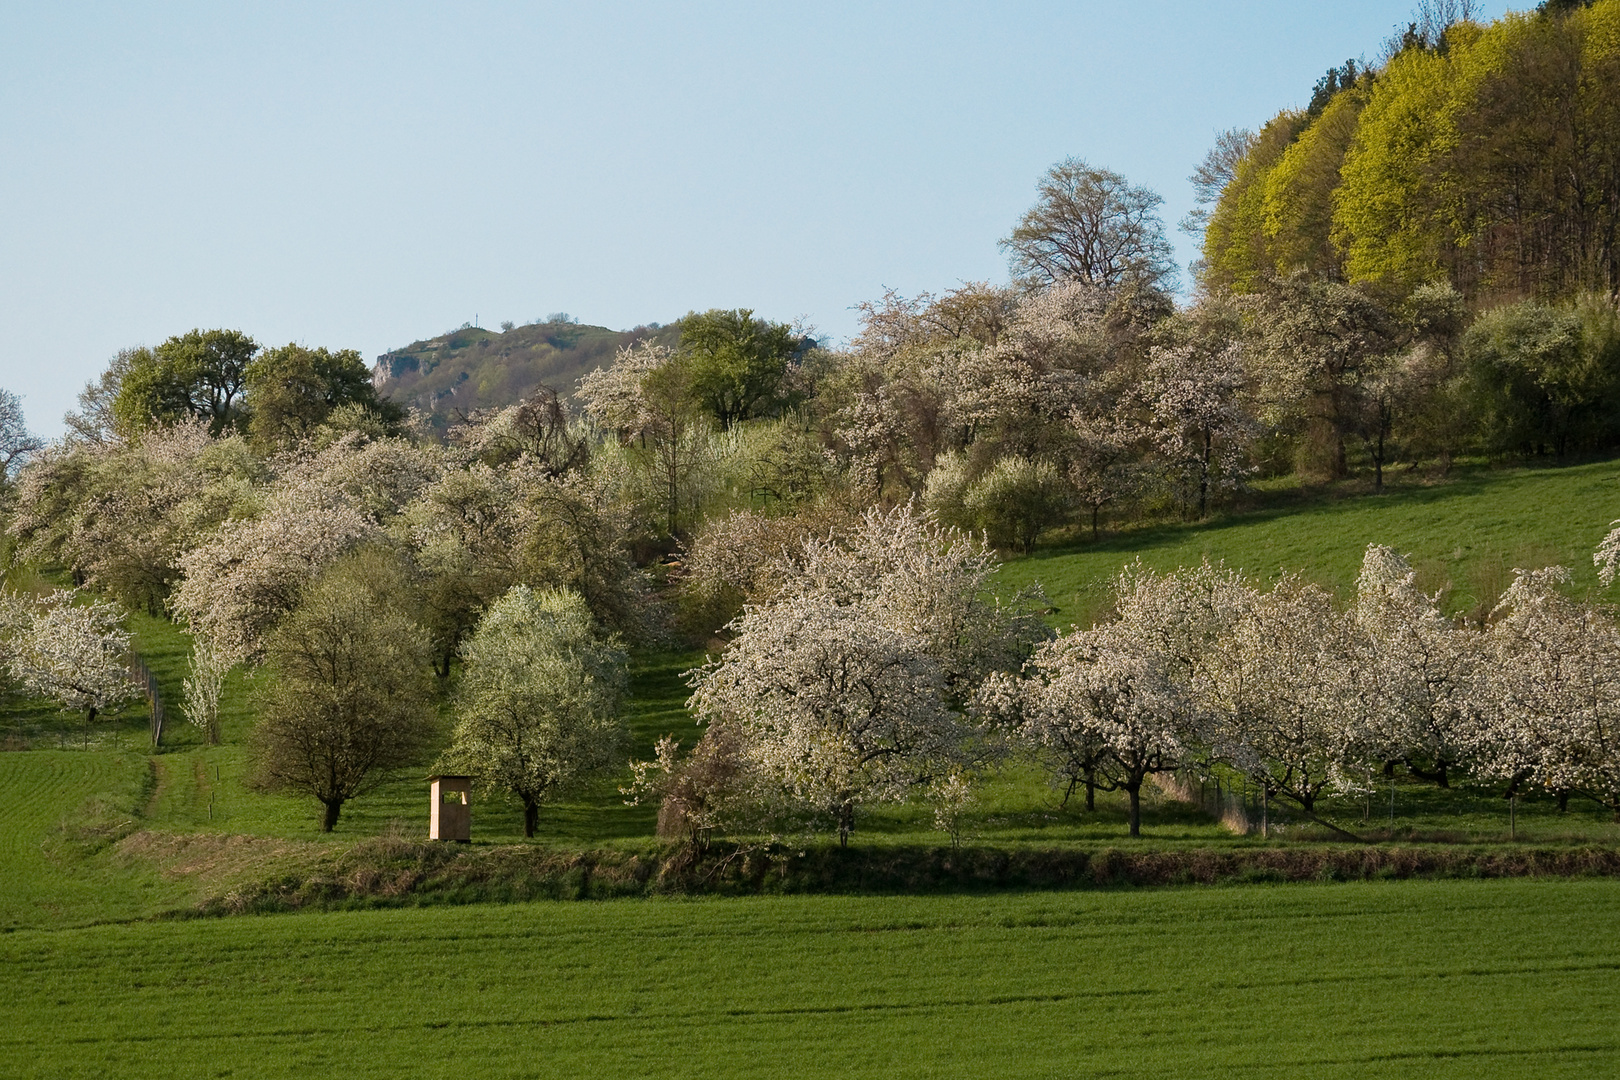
(531,817)
(329,818)
(1091,789)
(846,823)
(1378,464)
(1439,775)
(1203,477)
(1135,791)
(1563,802)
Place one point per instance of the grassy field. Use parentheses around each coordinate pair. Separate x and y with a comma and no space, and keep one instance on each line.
(60,812)
(1468,533)
(1439,979)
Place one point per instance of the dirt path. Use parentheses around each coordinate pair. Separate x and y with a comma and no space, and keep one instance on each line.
(162,785)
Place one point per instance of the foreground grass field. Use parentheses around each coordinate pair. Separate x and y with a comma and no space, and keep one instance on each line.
(1438,979)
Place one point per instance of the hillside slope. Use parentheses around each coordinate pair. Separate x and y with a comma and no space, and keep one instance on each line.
(1464,536)
(474,368)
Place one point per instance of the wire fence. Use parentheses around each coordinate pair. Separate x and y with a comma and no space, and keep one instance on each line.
(142,675)
(1219,799)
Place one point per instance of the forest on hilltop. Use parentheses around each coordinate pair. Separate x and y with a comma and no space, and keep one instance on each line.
(1483,155)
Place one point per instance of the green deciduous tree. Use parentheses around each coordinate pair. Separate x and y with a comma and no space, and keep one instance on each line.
(538,705)
(351,696)
(198,374)
(1548,376)
(293,390)
(737,363)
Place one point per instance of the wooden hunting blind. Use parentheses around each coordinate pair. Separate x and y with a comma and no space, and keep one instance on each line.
(451,815)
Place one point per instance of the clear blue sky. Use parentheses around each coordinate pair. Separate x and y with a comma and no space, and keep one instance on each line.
(365,175)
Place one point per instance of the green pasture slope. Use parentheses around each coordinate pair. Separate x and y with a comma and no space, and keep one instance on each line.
(1383,979)
(1466,534)
(60,810)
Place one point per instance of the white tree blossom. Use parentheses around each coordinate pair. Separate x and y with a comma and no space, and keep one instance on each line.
(1554,691)
(1607,556)
(70,651)
(538,703)
(1113,705)
(1424,668)
(846,683)
(1199,421)
(244,580)
(839,710)
(1289,689)
(201,688)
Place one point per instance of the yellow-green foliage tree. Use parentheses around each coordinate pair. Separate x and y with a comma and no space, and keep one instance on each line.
(1487,155)
(1297,198)
(1236,251)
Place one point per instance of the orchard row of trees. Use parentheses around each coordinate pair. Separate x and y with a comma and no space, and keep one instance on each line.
(868,666)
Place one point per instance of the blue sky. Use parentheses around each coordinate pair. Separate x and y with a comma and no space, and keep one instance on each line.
(361,176)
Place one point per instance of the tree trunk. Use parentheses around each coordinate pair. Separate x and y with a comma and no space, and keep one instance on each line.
(1095,510)
(1563,802)
(1135,791)
(1203,477)
(846,823)
(1438,775)
(1091,789)
(531,817)
(1378,464)
(329,819)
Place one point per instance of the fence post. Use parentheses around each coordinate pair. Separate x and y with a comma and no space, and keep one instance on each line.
(154,698)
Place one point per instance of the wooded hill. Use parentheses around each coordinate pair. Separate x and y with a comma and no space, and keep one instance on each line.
(474,368)
(1486,155)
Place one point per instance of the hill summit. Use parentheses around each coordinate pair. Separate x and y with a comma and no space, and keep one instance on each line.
(474,368)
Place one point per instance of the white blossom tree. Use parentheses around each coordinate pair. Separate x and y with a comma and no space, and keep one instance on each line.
(70,651)
(847,684)
(243,581)
(1113,705)
(1200,424)
(1607,556)
(838,709)
(1424,668)
(1554,691)
(538,705)
(1288,687)
(201,688)
(1100,688)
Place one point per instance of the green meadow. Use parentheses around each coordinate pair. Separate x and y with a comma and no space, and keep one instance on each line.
(1397,979)
(1464,535)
